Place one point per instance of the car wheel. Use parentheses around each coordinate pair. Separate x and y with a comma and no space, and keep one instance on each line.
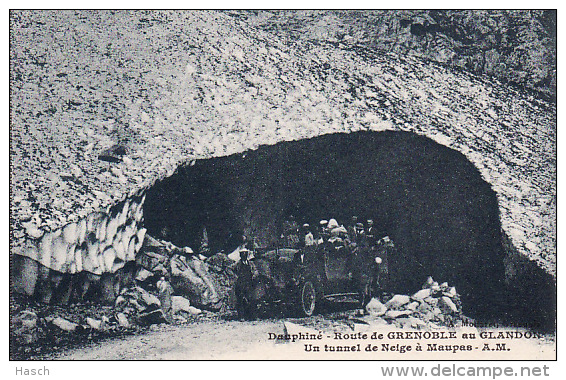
(307,299)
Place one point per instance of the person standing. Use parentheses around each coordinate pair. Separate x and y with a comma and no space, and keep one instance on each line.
(291,232)
(370,233)
(360,232)
(165,297)
(385,248)
(204,248)
(352,234)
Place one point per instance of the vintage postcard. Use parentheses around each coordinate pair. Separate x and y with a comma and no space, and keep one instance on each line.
(277,185)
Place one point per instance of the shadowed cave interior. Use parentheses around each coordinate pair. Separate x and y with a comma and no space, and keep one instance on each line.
(433,203)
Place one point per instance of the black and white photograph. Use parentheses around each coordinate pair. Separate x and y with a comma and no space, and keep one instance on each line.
(197,185)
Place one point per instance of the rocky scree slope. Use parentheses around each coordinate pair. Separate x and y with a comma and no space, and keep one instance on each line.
(164,88)
(515,46)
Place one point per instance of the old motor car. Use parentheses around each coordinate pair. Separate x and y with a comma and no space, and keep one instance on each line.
(304,279)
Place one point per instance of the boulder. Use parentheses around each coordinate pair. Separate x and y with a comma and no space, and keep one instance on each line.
(416,323)
(120,302)
(161,269)
(428,316)
(428,283)
(375,308)
(64,324)
(122,320)
(398,301)
(436,311)
(201,268)
(410,323)
(193,310)
(147,298)
(26,319)
(412,306)
(143,274)
(180,319)
(402,322)
(392,314)
(128,300)
(94,323)
(235,255)
(137,298)
(431,301)
(24,325)
(451,292)
(435,289)
(153,317)
(190,278)
(150,241)
(447,305)
(421,294)
(152,261)
(179,304)
(424,307)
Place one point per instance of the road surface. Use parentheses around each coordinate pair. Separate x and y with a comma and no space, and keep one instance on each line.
(225,340)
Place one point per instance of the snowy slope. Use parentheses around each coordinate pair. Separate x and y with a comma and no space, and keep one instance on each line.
(170,87)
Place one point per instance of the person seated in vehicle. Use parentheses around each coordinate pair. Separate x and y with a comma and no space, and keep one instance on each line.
(339,249)
(307,236)
(338,232)
(338,238)
(335,238)
(323,233)
(332,223)
(307,243)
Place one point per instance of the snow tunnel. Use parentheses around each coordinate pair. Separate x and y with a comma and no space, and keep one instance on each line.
(429,199)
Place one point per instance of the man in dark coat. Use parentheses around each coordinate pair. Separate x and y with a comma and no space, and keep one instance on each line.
(352,229)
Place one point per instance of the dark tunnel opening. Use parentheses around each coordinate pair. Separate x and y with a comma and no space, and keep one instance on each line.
(432,202)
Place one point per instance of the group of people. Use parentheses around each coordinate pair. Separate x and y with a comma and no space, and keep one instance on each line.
(354,234)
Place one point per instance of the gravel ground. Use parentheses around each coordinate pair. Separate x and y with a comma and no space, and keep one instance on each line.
(225,340)
(206,340)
